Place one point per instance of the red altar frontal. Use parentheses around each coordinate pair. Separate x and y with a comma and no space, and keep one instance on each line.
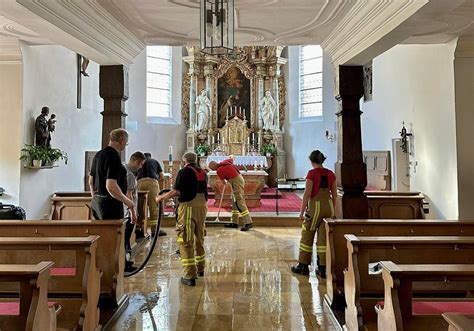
(254,184)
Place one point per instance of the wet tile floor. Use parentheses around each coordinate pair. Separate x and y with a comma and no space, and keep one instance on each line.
(248,285)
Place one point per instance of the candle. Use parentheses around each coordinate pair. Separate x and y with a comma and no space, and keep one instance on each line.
(227,112)
(170,150)
(253,136)
(240,111)
(248,140)
(217,136)
(213,139)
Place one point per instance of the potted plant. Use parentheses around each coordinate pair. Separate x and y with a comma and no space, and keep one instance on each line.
(202,149)
(267,149)
(33,155)
(55,154)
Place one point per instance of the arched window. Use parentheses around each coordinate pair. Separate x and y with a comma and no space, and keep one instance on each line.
(158,82)
(311,81)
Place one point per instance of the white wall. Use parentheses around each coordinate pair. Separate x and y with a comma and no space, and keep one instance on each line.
(415,84)
(464,82)
(49,76)
(152,137)
(10,130)
(301,137)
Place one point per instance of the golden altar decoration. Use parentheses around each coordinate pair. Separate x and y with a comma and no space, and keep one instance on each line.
(235,137)
(222,102)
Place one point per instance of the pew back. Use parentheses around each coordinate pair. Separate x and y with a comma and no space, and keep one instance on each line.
(398,313)
(34,313)
(110,252)
(358,282)
(336,256)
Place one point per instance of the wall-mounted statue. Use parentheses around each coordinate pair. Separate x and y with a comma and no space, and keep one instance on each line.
(42,135)
(268,110)
(203,106)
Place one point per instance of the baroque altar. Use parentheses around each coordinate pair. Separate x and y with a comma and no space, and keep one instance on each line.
(236,103)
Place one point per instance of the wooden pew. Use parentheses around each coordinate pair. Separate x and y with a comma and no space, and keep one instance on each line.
(34,312)
(390,205)
(83,281)
(458,322)
(68,206)
(400,312)
(362,288)
(336,252)
(110,254)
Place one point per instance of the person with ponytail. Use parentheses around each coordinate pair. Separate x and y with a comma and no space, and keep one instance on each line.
(318,202)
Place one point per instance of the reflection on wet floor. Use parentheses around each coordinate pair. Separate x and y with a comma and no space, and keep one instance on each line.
(247,285)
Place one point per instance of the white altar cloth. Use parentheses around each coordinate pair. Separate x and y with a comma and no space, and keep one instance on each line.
(241,160)
(245,173)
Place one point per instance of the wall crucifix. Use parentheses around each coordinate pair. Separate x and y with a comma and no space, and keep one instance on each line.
(82,63)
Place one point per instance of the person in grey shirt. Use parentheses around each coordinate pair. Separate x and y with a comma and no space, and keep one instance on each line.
(132,166)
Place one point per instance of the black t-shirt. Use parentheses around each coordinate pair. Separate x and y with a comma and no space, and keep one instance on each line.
(151,169)
(107,165)
(187,183)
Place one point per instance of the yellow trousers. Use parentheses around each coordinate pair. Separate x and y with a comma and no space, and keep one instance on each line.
(318,208)
(153,187)
(190,229)
(239,207)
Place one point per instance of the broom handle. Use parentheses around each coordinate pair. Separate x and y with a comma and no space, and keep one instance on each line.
(220,202)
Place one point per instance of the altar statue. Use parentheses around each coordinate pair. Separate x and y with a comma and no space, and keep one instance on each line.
(203,105)
(268,111)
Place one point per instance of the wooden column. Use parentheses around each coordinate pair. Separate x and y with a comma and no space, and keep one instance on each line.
(351,171)
(113,88)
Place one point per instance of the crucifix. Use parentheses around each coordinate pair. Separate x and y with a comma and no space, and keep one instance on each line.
(82,63)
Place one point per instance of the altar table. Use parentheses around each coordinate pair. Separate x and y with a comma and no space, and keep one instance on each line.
(241,160)
(254,183)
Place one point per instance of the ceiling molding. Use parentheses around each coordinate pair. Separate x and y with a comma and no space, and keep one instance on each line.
(366,23)
(91,24)
(10,52)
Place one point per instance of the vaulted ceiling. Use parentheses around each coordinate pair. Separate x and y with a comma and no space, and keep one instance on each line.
(351,31)
(261,22)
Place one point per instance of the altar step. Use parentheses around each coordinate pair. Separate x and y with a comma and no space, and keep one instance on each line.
(268,193)
(259,219)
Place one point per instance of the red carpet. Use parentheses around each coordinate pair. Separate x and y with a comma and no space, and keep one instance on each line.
(13,308)
(62,271)
(287,203)
(440,307)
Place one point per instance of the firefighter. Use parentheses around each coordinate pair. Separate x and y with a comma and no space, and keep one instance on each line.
(191,189)
(227,171)
(318,202)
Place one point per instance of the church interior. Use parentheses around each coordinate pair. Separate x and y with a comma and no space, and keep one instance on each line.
(382,88)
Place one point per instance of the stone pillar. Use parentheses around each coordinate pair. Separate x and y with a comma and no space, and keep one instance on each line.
(192,100)
(464,88)
(351,171)
(113,88)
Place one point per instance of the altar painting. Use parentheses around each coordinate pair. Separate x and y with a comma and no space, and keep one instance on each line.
(233,91)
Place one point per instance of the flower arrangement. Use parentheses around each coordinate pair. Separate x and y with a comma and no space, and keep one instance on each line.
(202,149)
(268,149)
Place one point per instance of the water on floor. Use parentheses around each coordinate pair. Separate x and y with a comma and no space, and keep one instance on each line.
(247,285)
